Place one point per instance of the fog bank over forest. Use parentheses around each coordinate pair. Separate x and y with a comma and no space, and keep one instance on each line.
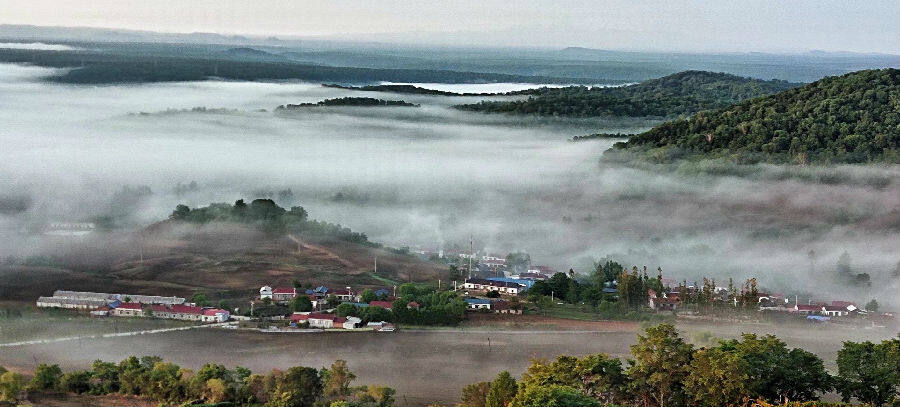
(432,176)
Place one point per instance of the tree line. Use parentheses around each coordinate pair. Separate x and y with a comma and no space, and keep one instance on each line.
(666,371)
(679,94)
(212,384)
(268,216)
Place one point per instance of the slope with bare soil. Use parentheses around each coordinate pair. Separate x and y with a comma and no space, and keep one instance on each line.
(223,260)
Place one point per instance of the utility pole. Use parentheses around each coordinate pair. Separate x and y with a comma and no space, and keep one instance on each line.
(471,254)
(376,264)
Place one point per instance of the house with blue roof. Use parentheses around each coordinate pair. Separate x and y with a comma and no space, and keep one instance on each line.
(478,303)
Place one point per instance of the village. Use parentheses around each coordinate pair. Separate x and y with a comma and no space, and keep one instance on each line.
(491,288)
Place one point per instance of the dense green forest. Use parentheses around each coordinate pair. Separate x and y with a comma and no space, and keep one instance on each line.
(267,215)
(854,118)
(682,93)
(666,371)
(351,101)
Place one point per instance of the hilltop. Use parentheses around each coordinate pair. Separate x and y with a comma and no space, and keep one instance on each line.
(218,251)
(683,93)
(854,118)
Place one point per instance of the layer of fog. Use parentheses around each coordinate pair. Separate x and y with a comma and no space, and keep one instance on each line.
(37,46)
(430,176)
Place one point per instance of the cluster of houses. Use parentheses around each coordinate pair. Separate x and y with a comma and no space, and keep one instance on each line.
(132,305)
(669,301)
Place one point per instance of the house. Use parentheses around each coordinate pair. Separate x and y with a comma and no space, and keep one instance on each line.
(70,303)
(530,276)
(345,295)
(215,315)
(849,306)
(807,309)
(352,323)
(128,309)
(412,305)
(504,307)
(478,303)
(85,300)
(325,321)
(501,285)
(382,304)
(283,294)
(834,311)
(101,312)
(664,304)
(265,292)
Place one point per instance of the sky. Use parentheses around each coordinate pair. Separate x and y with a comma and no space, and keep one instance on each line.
(692,25)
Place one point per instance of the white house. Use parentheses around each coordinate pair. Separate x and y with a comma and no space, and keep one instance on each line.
(265,292)
(352,322)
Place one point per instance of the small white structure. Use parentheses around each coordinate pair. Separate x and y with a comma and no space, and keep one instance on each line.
(265,292)
(352,322)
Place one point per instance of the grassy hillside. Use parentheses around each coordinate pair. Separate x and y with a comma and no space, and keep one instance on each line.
(682,93)
(854,118)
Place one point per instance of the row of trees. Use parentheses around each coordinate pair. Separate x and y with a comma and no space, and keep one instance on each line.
(666,371)
(268,216)
(434,307)
(167,383)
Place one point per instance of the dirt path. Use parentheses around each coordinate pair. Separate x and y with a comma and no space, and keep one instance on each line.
(112,335)
(320,249)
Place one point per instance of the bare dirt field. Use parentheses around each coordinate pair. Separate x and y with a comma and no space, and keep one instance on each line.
(424,366)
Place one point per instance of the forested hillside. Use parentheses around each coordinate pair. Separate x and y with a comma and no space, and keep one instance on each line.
(682,93)
(853,118)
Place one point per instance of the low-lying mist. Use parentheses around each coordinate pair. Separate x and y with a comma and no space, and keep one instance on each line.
(432,176)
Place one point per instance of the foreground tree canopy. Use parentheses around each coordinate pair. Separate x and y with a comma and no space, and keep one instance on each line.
(678,94)
(667,371)
(169,384)
(854,118)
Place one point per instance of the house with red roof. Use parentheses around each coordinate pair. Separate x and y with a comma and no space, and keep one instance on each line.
(283,294)
(382,304)
(807,309)
(324,321)
(128,309)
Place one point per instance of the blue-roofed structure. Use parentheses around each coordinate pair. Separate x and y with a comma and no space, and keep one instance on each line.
(359,304)
(478,303)
(526,283)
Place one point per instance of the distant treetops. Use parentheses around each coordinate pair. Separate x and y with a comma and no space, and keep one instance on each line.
(683,93)
(266,215)
(350,101)
(854,118)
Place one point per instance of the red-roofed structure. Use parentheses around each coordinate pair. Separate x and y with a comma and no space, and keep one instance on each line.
(382,304)
(283,294)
